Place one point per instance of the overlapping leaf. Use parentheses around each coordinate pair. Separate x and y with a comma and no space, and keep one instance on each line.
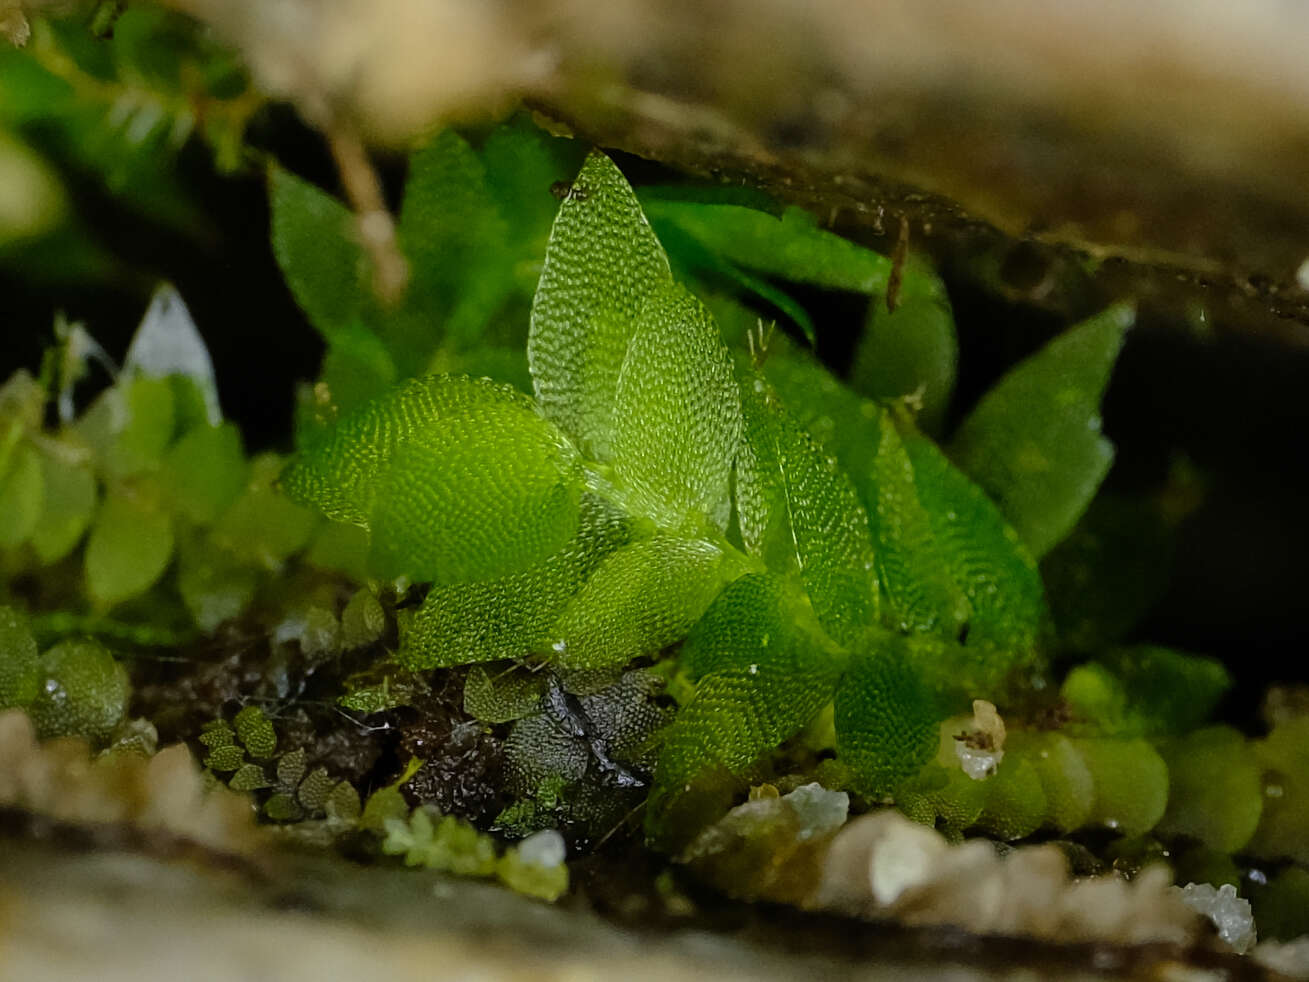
(1033,442)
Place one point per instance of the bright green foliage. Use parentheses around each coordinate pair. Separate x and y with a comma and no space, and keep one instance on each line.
(602,263)
(263,526)
(68,502)
(910,354)
(514,615)
(1014,804)
(205,471)
(20,672)
(21,488)
(1033,442)
(676,412)
(1131,783)
(1145,690)
(1216,788)
(886,720)
(83,691)
(799,513)
(644,597)
(130,545)
(1066,781)
(446,843)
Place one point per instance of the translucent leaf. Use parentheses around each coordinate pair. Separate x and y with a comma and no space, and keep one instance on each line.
(791,247)
(69,502)
(20,673)
(358,367)
(1146,690)
(1131,783)
(1065,778)
(512,616)
(215,585)
(129,548)
(983,554)
(167,343)
(800,513)
(338,471)
(456,240)
(911,352)
(83,691)
(21,490)
(264,526)
(1015,805)
(315,242)
(644,597)
(761,677)
(487,488)
(204,471)
(130,426)
(1216,788)
(1033,442)
(602,262)
(677,415)
(886,720)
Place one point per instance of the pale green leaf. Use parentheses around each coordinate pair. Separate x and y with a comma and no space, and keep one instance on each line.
(677,414)
(511,617)
(800,513)
(69,502)
(204,471)
(602,262)
(129,548)
(21,490)
(644,597)
(1033,442)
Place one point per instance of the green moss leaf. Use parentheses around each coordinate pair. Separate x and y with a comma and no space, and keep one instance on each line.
(1131,783)
(256,732)
(83,691)
(502,696)
(1145,690)
(21,490)
(263,526)
(511,616)
(1033,442)
(602,262)
(69,502)
(20,672)
(130,546)
(886,719)
(487,488)
(799,512)
(644,597)
(316,245)
(677,416)
(204,471)
(1216,788)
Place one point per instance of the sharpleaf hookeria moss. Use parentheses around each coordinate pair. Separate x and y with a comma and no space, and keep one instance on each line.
(658,489)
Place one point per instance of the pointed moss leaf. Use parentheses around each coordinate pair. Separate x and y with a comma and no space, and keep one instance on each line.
(602,262)
(799,512)
(315,243)
(677,413)
(910,353)
(983,553)
(1034,443)
(792,247)
(69,502)
(457,242)
(886,720)
(487,489)
(129,548)
(21,489)
(511,617)
(204,471)
(167,344)
(19,670)
(761,677)
(339,470)
(643,598)
(921,593)
(502,696)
